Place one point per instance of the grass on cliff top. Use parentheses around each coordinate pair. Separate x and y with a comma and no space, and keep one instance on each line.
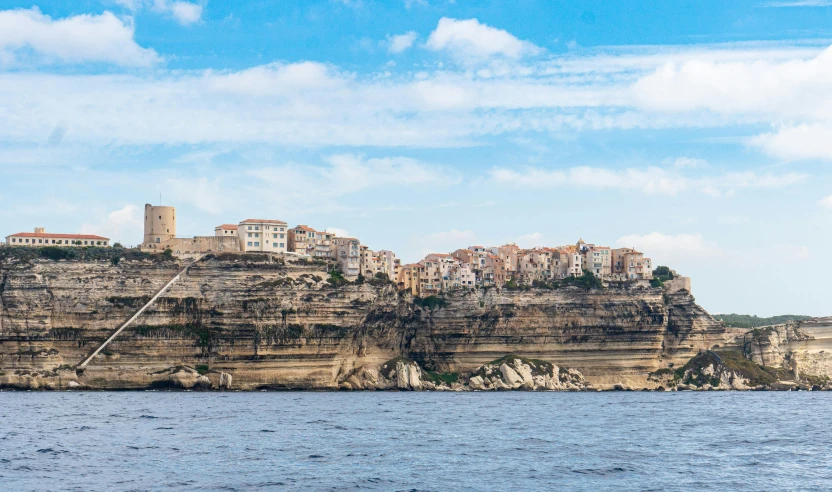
(735,361)
(89,253)
(751,321)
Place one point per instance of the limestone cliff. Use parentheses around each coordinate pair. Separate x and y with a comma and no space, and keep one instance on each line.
(263,322)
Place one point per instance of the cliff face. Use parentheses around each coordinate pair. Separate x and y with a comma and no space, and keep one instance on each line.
(274,325)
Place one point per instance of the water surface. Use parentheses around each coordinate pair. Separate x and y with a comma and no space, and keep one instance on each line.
(91,441)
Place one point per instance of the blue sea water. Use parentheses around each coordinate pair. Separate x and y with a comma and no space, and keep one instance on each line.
(91,441)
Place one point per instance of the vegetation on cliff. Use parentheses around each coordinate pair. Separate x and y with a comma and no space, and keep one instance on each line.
(89,253)
(751,321)
(708,366)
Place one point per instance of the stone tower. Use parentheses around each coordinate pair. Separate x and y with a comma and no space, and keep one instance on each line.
(159,224)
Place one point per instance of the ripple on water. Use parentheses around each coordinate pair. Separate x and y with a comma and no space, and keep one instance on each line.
(409,441)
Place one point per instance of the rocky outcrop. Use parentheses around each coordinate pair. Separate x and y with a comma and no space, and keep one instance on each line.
(513,372)
(268,322)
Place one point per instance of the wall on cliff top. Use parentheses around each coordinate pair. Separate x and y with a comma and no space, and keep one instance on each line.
(275,324)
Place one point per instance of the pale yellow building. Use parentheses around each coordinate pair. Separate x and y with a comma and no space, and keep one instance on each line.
(263,235)
(226,230)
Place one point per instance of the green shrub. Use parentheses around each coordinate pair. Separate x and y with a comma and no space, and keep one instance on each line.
(656,282)
(202,369)
(430,302)
(587,281)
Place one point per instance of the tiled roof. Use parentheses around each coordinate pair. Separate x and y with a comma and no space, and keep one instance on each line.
(305,228)
(59,236)
(263,221)
(227,226)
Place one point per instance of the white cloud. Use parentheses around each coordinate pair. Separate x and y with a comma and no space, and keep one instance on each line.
(471,39)
(669,248)
(348,173)
(78,39)
(207,195)
(529,240)
(442,242)
(826,202)
(314,104)
(182,12)
(733,220)
(650,180)
(118,225)
(401,42)
(338,231)
(799,253)
(800,3)
(805,141)
(688,163)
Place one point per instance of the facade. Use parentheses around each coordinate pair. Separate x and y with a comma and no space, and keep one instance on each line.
(597,259)
(159,226)
(263,235)
(347,252)
(226,230)
(42,238)
(631,264)
(305,240)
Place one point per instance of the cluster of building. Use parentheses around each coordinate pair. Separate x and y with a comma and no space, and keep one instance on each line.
(268,236)
(497,265)
(437,272)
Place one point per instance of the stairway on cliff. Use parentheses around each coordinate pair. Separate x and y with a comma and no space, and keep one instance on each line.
(138,313)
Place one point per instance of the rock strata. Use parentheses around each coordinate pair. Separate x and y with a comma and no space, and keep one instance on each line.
(268,322)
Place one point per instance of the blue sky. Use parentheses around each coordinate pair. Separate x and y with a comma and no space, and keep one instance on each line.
(699,132)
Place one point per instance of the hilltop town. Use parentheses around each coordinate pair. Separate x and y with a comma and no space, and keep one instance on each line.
(474,266)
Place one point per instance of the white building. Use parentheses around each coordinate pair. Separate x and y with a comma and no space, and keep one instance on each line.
(41,238)
(262,235)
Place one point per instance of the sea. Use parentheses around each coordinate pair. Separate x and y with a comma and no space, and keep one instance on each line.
(507,441)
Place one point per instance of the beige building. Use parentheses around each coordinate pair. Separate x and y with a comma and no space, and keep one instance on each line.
(408,278)
(263,235)
(305,240)
(226,230)
(631,264)
(596,259)
(42,238)
(347,252)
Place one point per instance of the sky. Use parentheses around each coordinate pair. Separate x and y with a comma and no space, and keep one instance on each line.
(699,132)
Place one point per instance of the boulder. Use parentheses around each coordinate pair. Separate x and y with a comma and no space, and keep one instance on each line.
(225,381)
(476,383)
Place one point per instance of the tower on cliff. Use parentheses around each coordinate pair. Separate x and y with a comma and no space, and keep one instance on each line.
(159,224)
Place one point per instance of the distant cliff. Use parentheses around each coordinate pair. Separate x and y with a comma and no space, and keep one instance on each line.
(261,323)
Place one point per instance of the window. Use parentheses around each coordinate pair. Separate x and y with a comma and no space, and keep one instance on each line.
(158,240)
(249,243)
(274,245)
(281,230)
(281,245)
(160,217)
(274,236)
(256,234)
(249,235)
(256,228)
(256,243)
